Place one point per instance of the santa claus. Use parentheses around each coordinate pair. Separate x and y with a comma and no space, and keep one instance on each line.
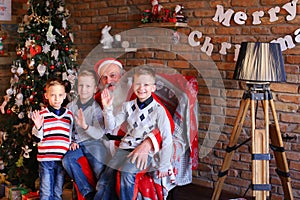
(156,9)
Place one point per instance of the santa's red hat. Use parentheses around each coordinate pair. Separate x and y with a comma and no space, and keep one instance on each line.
(106,61)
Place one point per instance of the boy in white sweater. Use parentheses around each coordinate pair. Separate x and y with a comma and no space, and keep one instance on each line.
(143,115)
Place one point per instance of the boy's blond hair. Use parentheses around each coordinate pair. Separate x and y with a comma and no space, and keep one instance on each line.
(91,73)
(54,81)
(144,70)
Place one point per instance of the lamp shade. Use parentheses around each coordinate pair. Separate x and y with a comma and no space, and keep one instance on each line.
(260,62)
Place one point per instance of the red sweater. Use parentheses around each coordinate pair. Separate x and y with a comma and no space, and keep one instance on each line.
(55,135)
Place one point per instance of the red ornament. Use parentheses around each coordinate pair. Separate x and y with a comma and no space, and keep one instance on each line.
(31,98)
(24,57)
(8,111)
(35,49)
(52,67)
(67,48)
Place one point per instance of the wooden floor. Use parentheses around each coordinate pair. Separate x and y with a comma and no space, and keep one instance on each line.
(196,192)
(187,192)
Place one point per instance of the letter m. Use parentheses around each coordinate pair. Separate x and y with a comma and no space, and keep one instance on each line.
(222,17)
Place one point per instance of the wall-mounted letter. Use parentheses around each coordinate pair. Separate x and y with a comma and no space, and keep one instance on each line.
(191,38)
(220,16)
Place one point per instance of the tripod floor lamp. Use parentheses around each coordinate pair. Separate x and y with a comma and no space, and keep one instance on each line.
(259,64)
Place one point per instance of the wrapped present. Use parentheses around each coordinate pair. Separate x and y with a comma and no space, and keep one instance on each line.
(31,196)
(14,192)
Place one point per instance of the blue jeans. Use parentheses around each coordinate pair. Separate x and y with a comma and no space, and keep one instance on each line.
(96,154)
(106,185)
(52,175)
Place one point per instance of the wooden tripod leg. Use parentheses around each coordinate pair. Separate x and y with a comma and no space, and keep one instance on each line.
(260,167)
(260,156)
(280,156)
(244,105)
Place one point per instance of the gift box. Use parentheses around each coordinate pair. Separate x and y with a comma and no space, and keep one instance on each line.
(31,196)
(14,192)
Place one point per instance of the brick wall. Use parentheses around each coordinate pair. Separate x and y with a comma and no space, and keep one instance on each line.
(219,95)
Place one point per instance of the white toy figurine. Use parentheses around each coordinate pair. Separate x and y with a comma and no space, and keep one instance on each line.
(106,38)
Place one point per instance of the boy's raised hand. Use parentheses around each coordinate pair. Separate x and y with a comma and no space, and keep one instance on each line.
(106,98)
(80,119)
(37,119)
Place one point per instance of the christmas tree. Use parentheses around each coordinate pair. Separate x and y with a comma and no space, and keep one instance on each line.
(44,50)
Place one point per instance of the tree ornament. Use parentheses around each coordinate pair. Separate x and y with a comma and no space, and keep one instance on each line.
(21,115)
(19,99)
(67,14)
(60,9)
(20,71)
(9,91)
(31,64)
(64,23)
(41,69)
(71,37)
(31,98)
(50,36)
(13,69)
(54,54)
(35,49)
(19,163)
(29,42)
(1,139)
(4,103)
(52,67)
(21,28)
(46,48)
(8,111)
(19,50)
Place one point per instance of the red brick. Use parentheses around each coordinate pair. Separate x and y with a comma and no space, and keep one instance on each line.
(245,3)
(228,31)
(292,118)
(289,98)
(285,88)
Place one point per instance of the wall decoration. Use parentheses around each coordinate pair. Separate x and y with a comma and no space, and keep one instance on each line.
(240,17)
(5,10)
(106,38)
(160,14)
(224,17)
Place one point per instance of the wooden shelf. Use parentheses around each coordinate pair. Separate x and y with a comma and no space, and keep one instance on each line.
(165,25)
